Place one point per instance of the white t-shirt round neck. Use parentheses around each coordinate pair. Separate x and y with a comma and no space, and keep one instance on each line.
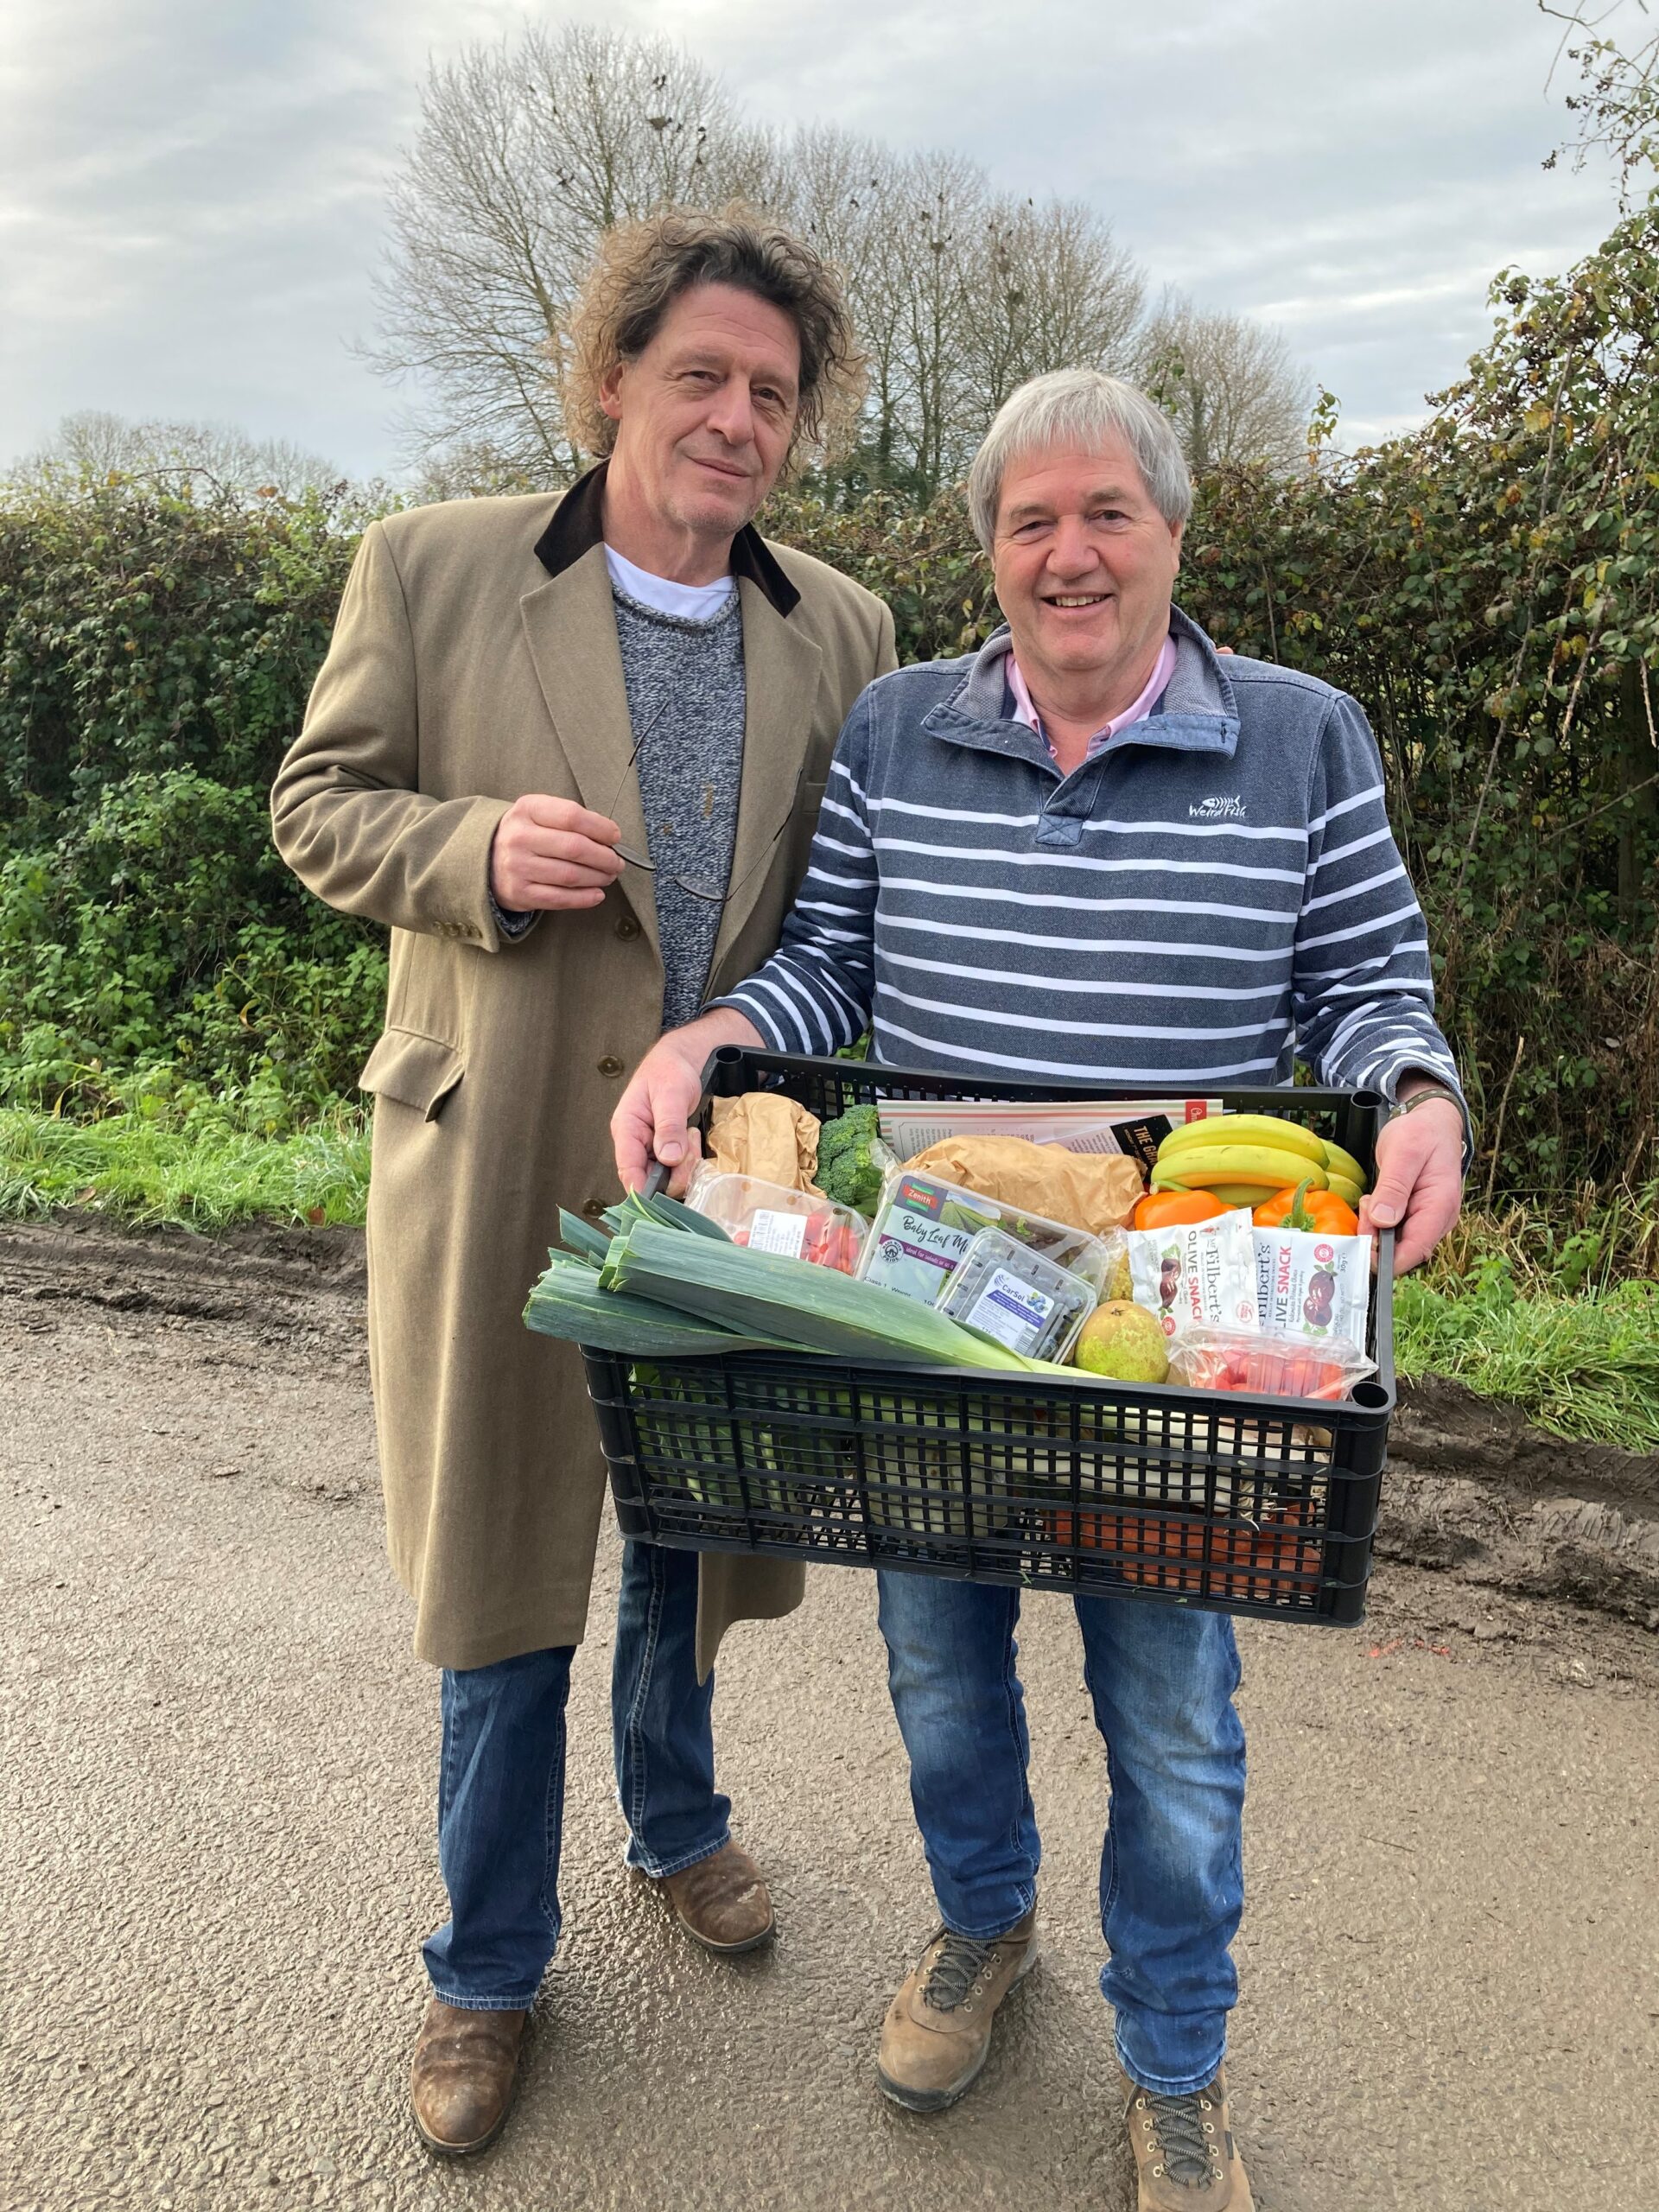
(691,602)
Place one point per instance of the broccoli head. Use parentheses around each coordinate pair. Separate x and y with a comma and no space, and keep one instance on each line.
(850,1165)
(857,1122)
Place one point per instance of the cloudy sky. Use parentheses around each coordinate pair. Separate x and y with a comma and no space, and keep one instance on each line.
(191,191)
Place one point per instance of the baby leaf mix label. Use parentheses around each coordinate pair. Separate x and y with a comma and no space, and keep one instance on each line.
(915,1248)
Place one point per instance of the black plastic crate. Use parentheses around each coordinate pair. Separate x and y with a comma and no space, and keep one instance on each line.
(1210,1499)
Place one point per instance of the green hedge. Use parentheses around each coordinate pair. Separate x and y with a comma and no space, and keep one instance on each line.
(154,657)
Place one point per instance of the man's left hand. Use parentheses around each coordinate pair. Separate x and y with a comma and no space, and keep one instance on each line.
(1419,1187)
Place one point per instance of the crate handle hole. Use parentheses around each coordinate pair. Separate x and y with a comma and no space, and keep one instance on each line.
(1371,1395)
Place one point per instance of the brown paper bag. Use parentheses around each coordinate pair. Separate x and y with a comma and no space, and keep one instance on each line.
(765,1134)
(1094,1191)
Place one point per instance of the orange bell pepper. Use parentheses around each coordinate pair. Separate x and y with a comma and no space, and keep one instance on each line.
(1165,1209)
(1300,1206)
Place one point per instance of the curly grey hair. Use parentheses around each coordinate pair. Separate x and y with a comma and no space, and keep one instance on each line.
(641,268)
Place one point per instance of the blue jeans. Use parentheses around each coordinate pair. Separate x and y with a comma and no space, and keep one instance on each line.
(1170,1880)
(501,1783)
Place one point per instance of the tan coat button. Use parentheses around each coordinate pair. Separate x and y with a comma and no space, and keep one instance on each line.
(593,1208)
(610,1064)
(627,926)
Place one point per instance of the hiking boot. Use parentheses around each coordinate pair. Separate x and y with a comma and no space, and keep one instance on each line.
(938,2033)
(722,1900)
(461,2082)
(1185,2158)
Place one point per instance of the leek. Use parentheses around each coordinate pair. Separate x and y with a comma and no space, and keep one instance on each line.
(657,1288)
(582,1238)
(663,1212)
(673,1214)
(568,1303)
(812,1308)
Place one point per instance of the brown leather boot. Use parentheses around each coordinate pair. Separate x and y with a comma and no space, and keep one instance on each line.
(462,2081)
(938,2033)
(1185,2156)
(722,1900)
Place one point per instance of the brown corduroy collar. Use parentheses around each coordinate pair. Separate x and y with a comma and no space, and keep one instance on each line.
(578,526)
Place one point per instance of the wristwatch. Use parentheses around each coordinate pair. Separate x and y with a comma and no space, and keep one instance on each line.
(1429,1091)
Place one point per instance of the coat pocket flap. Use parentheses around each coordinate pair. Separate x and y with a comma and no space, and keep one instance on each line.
(417,1071)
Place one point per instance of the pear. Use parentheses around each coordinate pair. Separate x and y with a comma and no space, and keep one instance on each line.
(1124,1341)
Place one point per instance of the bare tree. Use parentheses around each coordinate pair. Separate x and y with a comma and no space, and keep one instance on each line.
(1233,388)
(472,469)
(1049,287)
(1618,102)
(92,445)
(958,295)
(938,216)
(527,151)
(843,192)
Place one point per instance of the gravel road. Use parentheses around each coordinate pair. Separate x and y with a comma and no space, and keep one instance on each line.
(216,1846)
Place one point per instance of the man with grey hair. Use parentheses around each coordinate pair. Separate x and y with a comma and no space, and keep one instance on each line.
(1095,851)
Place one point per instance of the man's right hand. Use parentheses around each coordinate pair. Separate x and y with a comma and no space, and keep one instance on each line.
(551,853)
(652,1119)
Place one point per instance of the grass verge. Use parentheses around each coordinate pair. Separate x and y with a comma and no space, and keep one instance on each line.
(210,1175)
(1582,1365)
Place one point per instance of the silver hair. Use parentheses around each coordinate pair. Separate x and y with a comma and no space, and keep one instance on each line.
(1080,408)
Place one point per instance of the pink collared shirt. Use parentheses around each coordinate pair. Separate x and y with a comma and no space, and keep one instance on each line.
(1157,682)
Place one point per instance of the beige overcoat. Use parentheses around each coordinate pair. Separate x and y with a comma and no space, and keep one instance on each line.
(461,675)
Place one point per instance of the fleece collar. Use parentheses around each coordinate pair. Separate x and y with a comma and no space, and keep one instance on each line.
(1198,713)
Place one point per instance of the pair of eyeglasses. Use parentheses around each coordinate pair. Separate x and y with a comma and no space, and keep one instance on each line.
(714,894)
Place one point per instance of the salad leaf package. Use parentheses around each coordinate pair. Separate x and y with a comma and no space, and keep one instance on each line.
(923,1227)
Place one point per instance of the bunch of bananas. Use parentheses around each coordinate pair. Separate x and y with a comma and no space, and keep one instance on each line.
(1244,1158)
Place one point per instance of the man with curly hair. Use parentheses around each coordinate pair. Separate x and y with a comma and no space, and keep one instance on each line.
(571,751)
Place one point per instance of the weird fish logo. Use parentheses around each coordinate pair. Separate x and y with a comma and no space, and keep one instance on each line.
(1217,809)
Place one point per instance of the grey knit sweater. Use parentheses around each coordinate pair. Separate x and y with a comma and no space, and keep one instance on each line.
(689,769)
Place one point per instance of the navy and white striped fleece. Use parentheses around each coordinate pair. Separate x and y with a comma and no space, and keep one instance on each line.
(1215,892)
